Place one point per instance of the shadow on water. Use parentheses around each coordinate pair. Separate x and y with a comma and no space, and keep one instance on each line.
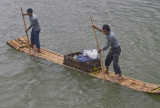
(154,97)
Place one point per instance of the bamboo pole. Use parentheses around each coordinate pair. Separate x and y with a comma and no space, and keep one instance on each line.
(26,33)
(98,47)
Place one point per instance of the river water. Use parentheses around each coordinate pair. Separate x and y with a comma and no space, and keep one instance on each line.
(66,28)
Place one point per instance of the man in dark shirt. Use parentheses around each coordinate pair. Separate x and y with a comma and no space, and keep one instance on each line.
(114,52)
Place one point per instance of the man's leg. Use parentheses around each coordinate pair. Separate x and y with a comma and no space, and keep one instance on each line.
(32,38)
(116,65)
(107,70)
(108,61)
(37,40)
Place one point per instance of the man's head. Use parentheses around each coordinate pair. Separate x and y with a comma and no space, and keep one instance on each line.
(106,29)
(29,11)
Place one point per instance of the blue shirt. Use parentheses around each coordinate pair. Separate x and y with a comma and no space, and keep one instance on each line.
(112,41)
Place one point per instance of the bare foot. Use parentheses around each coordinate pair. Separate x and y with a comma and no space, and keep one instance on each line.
(34,49)
(31,46)
(107,72)
(120,78)
(38,50)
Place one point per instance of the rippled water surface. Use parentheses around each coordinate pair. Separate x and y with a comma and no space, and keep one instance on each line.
(66,28)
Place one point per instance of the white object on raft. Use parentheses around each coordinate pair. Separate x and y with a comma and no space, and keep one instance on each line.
(93,53)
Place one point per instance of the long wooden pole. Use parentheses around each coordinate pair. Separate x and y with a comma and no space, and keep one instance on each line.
(98,47)
(26,33)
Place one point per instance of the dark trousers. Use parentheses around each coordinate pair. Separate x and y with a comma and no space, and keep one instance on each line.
(113,55)
(35,38)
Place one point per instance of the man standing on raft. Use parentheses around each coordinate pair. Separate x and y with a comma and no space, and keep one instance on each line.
(114,52)
(35,29)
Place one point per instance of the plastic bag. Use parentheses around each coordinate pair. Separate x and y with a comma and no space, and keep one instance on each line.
(82,58)
(93,53)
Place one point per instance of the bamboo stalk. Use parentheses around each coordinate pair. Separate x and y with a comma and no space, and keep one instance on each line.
(26,33)
(98,47)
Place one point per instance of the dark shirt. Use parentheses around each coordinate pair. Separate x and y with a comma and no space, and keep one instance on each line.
(112,41)
(34,22)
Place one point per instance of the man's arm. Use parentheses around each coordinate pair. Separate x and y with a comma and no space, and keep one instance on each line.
(24,14)
(99,50)
(108,44)
(97,28)
(29,28)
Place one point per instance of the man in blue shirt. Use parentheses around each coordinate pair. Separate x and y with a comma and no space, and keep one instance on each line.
(114,51)
(35,29)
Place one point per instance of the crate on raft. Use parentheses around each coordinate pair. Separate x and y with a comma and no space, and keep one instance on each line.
(89,66)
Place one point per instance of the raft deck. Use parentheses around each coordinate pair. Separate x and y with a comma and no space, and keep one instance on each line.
(20,44)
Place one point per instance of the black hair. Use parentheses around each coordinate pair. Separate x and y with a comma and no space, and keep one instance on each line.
(29,10)
(106,27)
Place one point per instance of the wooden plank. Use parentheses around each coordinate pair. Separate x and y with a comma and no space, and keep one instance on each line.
(25,38)
(53,52)
(46,51)
(11,44)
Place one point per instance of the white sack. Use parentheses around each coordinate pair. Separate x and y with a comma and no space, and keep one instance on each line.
(93,53)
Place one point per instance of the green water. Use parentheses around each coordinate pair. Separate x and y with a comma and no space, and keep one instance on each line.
(66,28)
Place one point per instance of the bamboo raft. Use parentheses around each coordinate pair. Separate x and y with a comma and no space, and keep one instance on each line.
(21,45)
